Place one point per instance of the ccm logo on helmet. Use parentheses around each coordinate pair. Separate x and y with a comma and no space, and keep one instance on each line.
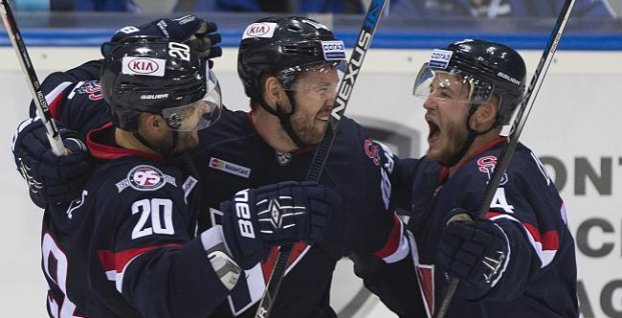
(243,212)
(143,66)
(259,30)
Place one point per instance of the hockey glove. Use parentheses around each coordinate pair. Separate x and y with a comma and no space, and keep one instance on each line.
(197,33)
(51,179)
(476,252)
(276,214)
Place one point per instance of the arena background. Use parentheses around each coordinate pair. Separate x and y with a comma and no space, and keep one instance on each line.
(575,128)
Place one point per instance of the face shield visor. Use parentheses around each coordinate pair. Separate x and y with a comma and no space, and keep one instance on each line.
(316,80)
(200,114)
(451,85)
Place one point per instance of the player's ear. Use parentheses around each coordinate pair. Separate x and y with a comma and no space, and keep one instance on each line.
(486,114)
(153,122)
(273,91)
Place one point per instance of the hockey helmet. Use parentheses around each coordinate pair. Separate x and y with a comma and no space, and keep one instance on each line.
(159,76)
(486,68)
(284,46)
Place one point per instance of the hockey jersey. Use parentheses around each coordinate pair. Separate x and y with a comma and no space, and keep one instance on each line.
(128,246)
(233,156)
(540,279)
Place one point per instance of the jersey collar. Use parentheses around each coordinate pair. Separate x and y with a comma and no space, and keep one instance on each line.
(444,173)
(104,151)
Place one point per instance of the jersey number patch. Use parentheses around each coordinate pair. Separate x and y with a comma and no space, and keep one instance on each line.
(156,217)
(51,252)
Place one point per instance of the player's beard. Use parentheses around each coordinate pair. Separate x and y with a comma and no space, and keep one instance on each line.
(310,127)
(186,140)
(448,143)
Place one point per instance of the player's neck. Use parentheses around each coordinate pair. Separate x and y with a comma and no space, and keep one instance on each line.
(270,130)
(127,140)
(476,147)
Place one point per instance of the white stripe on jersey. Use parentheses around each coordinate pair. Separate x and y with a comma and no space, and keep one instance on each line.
(49,97)
(546,256)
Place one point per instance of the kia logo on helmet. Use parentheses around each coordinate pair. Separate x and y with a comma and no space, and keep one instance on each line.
(260,30)
(143,65)
(256,29)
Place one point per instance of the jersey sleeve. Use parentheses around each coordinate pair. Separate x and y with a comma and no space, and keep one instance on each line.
(382,251)
(75,99)
(146,246)
(531,213)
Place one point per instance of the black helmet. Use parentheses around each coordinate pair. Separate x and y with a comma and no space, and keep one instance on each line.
(491,68)
(276,44)
(159,76)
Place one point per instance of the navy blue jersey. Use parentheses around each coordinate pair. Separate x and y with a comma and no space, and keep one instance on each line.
(540,279)
(127,247)
(233,156)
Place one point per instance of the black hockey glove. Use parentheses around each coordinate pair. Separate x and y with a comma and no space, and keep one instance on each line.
(476,252)
(197,33)
(51,179)
(276,214)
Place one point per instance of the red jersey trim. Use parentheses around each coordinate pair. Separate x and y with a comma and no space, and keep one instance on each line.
(107,152)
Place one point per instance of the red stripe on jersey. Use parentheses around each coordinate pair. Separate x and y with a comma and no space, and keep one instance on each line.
(270,262)
(118,261)
(393,240)
(54,106)
(54,97)
(549,240)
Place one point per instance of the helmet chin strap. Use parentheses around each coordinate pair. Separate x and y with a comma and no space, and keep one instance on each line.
(284,118)
(166,153)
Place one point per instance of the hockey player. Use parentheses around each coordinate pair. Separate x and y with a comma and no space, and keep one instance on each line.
(289,67)
(127,247)
(519,260)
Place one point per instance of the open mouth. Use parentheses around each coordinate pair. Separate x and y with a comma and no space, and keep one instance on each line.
(324,114)
(434,130)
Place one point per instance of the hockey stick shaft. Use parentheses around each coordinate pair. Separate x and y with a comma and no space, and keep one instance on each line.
(344,91)
(522,114)
(31,77)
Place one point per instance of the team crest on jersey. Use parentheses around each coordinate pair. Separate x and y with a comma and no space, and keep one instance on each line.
(91,88)
(283,158)
(145,178)
(229,167)
(372,151)
(487,165)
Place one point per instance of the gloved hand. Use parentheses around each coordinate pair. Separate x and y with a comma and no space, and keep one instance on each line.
(474,251)
(197,33)
(276,214)
(51,179)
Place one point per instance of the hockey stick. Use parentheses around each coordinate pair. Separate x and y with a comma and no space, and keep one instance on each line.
(31,77)
(519,123)
(321,153)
